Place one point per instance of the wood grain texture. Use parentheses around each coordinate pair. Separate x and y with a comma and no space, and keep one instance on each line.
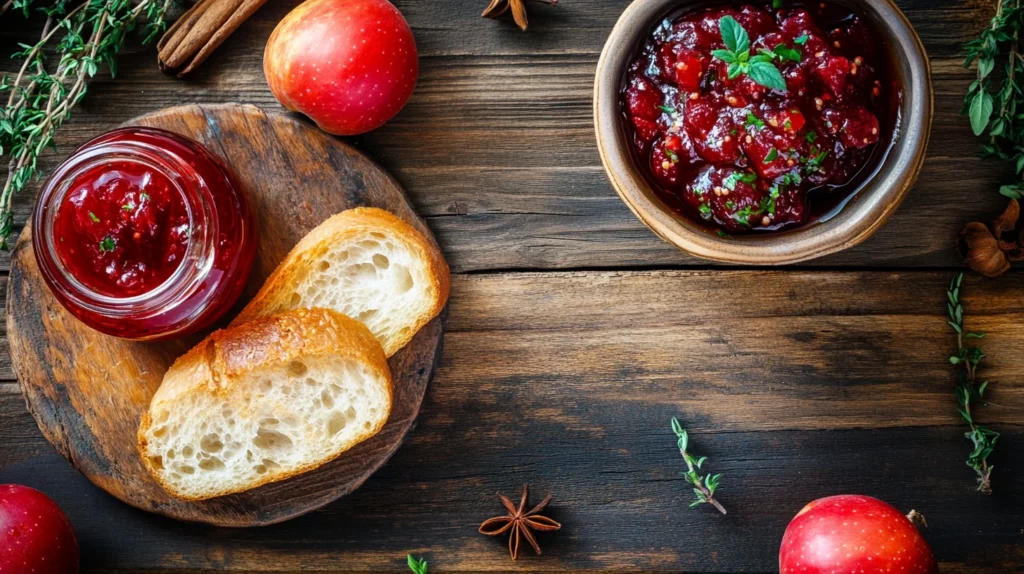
(88,390)
(497,145)
(796,384)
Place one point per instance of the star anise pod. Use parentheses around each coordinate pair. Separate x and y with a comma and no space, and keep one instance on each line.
(519,523)
(499,7)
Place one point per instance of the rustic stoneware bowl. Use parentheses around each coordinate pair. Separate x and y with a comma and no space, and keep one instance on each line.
(872,204)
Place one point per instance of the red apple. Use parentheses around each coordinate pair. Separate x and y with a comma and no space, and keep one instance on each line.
(851,534)
(35,536)
(350,65)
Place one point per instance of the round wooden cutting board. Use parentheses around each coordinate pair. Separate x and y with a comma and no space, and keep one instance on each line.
(87,391)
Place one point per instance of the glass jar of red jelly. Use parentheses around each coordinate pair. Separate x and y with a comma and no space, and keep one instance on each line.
(144,234)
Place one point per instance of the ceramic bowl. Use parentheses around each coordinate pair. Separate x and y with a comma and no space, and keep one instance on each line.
(873,203)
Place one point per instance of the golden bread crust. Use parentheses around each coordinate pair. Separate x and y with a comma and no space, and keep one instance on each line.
(222,360)
(273,297)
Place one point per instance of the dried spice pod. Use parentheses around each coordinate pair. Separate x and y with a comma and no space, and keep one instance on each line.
(519,523)
(499,7)
(987,249)
(1005,224)
(981,251)
(191,40)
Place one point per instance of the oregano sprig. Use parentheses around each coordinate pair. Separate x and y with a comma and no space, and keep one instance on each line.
(992,107)
(703,487)
(45,89)
(968,390)
(758,67)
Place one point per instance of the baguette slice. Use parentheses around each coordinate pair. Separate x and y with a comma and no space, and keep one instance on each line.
(265,401)
(365,263)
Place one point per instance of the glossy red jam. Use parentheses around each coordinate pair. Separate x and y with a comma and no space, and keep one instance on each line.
(123,229)
(759,118)
(144,234)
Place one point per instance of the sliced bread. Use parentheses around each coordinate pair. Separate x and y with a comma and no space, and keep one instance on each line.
(264,401)
(365,263)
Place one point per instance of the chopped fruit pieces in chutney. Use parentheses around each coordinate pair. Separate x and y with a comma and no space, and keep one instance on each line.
(759,118)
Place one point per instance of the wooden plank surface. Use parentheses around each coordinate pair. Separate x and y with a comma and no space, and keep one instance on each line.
(833,382)
(497,147)
(89,390)
(575,334)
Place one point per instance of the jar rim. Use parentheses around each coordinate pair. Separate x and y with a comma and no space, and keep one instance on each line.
(195,265)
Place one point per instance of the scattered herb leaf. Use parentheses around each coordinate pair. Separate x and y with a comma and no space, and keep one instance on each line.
(736,177)
(107,244)
(93,217)
(418,566)
(767,75)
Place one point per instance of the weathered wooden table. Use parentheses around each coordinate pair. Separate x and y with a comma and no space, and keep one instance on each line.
(575,335)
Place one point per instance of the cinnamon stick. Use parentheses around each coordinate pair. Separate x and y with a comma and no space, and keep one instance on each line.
(191,40)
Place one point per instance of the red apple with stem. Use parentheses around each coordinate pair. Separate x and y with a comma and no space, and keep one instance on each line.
(35,536)
(851,534)
(350,65)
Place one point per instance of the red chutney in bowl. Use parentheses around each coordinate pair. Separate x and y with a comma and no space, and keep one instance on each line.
(756,118)
(144,234)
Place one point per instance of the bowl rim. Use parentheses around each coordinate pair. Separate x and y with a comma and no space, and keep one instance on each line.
(875,201)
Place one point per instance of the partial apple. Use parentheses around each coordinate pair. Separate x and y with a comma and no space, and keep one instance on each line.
(851,534)
(35,536)
(350,65)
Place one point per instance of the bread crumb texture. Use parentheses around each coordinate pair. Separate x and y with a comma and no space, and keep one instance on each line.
(264,401)
(364,263)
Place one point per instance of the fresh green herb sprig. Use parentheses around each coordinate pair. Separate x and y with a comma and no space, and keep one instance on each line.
(703,487)
(968,390)
(758,67)
(993,106)
(40,98)
(418,566)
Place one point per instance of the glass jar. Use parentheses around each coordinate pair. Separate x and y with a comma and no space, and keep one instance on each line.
(144,234)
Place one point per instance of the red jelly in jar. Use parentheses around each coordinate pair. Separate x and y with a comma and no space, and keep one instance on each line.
(144,234)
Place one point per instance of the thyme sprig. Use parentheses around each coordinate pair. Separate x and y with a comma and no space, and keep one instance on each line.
(42,94)
(968,390)
(417,565)
(992,105)
(703,487)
